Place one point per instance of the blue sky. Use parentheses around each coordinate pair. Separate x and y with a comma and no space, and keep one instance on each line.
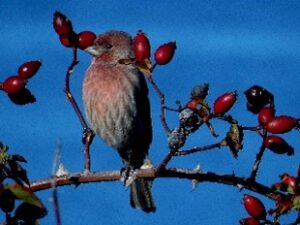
(230,44)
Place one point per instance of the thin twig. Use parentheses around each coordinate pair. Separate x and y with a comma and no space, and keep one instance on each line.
(199,149)
(211,129)
(88,134)
(162,105)
(56,162)
(56,207)
(166,160)
(258,159)
(257,128)
(172,109)
(226,117)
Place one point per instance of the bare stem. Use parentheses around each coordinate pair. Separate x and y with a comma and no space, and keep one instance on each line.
(56,207)
(88,134)
(162,104)
(166,160)
(257,128)
(258,160)
(199,149)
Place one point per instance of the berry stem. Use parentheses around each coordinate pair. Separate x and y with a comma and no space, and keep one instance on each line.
(162,105)
(88,134)
(258,158)
(153,67)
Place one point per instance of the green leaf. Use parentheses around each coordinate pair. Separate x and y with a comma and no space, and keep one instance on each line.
(296,202)
(3,153)
(25,194)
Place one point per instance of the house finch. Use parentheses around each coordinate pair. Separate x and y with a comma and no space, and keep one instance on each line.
(115,96)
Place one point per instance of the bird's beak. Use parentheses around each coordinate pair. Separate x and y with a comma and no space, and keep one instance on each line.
(94,50)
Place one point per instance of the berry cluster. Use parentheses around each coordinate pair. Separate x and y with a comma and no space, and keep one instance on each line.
(197,112)
(291,186)
(15,86)
(142,50)
(261,102)
(256,210)
(68,37)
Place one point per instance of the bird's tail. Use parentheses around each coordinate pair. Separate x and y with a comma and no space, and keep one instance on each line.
(140,195)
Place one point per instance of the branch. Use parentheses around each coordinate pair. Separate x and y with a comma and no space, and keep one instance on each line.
(109,176)
(88,134)
(199,149)
(258,159)
(162,104)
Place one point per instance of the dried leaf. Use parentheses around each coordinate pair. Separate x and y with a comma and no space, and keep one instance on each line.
(234,139)
(145,67)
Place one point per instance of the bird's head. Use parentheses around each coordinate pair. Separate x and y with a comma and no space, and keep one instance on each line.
(111,46)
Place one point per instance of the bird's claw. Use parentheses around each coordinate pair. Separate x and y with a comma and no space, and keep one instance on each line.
(128,175)
(88,135)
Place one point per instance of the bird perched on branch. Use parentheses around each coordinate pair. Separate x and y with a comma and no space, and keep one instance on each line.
(115,96)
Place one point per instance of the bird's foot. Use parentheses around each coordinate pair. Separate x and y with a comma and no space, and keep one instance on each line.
(128,175)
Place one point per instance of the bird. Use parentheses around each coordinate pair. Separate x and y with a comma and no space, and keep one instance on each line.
(115,98)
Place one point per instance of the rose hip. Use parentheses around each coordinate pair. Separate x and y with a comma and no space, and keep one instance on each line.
(28,69)
(62,25)
(224,102)
(254,207)
(141,46)
(278,145)
(85,39)
(281,124)
(265,115)
(13,84)
(165,53)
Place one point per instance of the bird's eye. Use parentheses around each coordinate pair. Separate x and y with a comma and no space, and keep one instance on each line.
(108,46)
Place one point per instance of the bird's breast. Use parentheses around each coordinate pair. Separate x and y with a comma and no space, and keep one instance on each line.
(109,99)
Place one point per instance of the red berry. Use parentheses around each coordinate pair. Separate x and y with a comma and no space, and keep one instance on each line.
(62,25)
(283,205)
(69,41)
(165,53)
(85,39)
(249,221)
(281,124)
(141,46)
(254,207)
(65,41)
(224,102)
(13,84)
(265,115)
(290,181)
(28,69)
(278,145)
